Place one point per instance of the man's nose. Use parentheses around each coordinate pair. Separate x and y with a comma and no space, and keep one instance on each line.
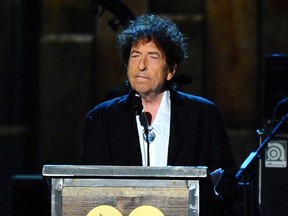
(142,64)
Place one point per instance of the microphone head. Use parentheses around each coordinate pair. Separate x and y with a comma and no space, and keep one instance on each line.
(137,104)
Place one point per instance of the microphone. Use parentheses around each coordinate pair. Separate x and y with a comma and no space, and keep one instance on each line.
(148,134)
(137,104)
(145,124)
(143,120)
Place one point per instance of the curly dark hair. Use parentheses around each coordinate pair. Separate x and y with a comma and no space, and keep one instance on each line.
(161,30)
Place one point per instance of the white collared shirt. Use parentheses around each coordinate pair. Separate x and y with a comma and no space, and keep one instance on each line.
(161,127)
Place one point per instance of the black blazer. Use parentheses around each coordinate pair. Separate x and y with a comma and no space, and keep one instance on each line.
(197,137)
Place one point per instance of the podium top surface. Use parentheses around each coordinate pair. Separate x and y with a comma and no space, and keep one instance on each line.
(123,171)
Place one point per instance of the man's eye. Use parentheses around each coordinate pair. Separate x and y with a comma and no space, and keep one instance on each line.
(134,55)
(154,57)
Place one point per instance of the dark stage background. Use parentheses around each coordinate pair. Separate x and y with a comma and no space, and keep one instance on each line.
(59,58)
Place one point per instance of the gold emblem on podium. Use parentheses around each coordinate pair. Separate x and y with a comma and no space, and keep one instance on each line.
(106,210)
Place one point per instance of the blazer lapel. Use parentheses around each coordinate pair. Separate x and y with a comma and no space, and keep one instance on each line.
(176,126)
(129,113)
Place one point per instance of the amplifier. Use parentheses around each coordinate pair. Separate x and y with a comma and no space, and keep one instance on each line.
(273,176)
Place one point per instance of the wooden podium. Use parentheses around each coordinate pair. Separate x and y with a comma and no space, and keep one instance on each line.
(78,190)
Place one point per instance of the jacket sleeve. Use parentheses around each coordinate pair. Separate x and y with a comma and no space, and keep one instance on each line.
(221,155)
(95,149)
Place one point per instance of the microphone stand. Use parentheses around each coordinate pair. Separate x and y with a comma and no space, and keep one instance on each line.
(145,123)
(146,131)
(254,155)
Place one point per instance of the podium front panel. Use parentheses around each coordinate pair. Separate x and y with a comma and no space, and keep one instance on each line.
(171,194)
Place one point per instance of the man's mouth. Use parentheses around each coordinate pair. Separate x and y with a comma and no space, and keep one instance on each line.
(141,77)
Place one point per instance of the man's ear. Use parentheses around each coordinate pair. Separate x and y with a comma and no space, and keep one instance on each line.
(172,72)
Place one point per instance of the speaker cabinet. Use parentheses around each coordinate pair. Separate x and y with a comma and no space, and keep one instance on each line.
(273,177)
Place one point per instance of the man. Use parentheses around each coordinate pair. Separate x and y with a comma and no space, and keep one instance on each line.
(156,125)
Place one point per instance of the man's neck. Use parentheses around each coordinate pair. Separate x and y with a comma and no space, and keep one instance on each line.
(152,104)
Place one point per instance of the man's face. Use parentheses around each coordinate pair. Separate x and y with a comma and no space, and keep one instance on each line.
(147,68)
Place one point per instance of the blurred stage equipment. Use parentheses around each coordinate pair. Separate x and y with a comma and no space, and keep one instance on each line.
(273,171)
(273,176)
(275,84)
(269,176)
(122,14)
